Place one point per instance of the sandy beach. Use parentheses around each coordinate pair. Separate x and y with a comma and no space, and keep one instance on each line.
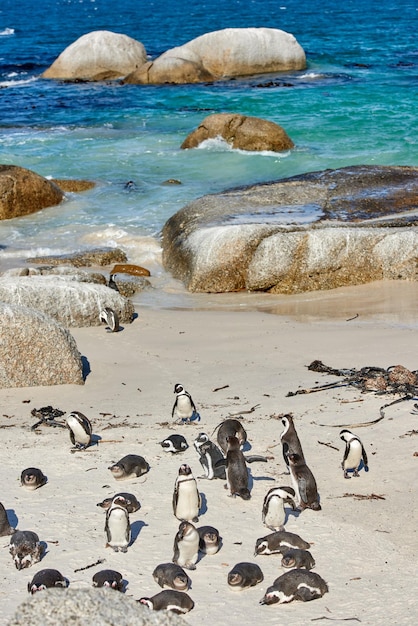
(233,362)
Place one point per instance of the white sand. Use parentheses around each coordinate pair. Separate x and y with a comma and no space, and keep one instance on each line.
(365,549)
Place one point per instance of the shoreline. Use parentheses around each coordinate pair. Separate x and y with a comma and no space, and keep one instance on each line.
(364,548)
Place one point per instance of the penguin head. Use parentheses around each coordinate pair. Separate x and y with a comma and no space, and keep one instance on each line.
(34,588)
(146,602)
(261,546)
(185,470)
(347,435)
(272,596)
(178,388)
(232,443)
(234,579)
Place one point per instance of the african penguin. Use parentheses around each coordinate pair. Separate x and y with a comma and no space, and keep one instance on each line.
(117,527)
(174,444)
(169,600)
(25,548)
(297,558)
(80,430)
(298,584)
(5,528)
(171,576)
(244,575)
(354,454)
(110,317)
(186,546)
(209,455)
(209,540)
(184,408)
(230,428)
(108,578)
(304,483)
(130,466)
(236,468)
(32,478)
(128,500)
(186,497)
(278,541)
(274,514)
(47,579)
(289,438)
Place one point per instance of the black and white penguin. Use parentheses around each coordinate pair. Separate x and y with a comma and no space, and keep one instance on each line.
(25,548)
(184,408)
(244,575)
(5,528)
(298,559)
(128,500)
(174,444)
(108,578)
(354,454)
(130,466)
(276,542)
(47,579)
(171,576)
(298,584)
(209,540)
(117,527)
(230,428)
(110,317)
(289,438)
(169,600)
(186,496)
(186,546)
(236,468)
(32,478)
(209,455)
(80,430)
(304,483)
(274,513)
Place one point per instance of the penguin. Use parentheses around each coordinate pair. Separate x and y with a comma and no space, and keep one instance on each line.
(169,600)
(274,514)
(290,440)
(171,576)
(236,468)
(278,541)
(117,527)
(186,546)
(46,579)
(303,480)
(5,528)
(298,584)
(109,578)
(244,575)
(354,454)
(209,540)
(186,497)
(296,558)
(174,444)
(25,548)
(230,428)
(209,455)
(110,317)
(128,500)
(80,430)
(130,466)
(32,478)
(184,407)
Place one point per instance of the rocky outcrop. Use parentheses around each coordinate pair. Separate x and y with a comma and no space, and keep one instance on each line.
(99,55)
(72,185)
(241,132)
(23,192)
(224,54)
(71,303)
(86,258)
(315,231)
(78,607)
(35,350)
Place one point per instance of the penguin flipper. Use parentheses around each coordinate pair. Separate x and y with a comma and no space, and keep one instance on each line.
(175,499)
(254,457)
(221,463)
(364,456)
(303,489)
(72,438)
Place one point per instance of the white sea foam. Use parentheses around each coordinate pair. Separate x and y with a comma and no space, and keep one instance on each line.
(7,31)
(218,144)
(18,83)
(142,250)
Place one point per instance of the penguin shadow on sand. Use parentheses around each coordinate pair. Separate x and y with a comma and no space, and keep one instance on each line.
(85,367)
(252,479)
(136,528)
(203,504)
(12,518)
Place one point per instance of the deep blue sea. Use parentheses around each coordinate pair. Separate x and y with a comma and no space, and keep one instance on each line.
(355,103)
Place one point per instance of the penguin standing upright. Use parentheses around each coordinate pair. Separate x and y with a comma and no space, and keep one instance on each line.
(304,483)
(186,546)
(117,526)
(184,408)
(274,514)
(186,497)
(209,455)
(236,468)
(290,440)
(5,527)
(80,430)
(354,454)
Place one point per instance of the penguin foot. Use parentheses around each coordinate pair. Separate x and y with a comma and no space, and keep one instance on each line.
(346,475)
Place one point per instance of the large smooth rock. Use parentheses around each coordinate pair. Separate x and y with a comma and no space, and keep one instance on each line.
(79,607)
(224,54)
(35,350)
(241,132)
(71,303)
(23,192)
(314,231)
(99,55)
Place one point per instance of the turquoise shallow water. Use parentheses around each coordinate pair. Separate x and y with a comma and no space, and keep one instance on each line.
(355,103)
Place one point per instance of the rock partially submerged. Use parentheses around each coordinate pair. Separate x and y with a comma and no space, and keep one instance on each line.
(23,192)
(224,54)
(241,132)
(35,350)
(96,256)
(314,231)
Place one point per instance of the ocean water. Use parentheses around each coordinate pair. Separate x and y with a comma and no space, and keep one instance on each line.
(355,103)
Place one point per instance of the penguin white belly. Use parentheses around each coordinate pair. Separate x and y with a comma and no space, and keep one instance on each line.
(276,515)
(354,456)
(79,433)
(187,507)
(295,485)
(117,529)
(188,549)
(184,407)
